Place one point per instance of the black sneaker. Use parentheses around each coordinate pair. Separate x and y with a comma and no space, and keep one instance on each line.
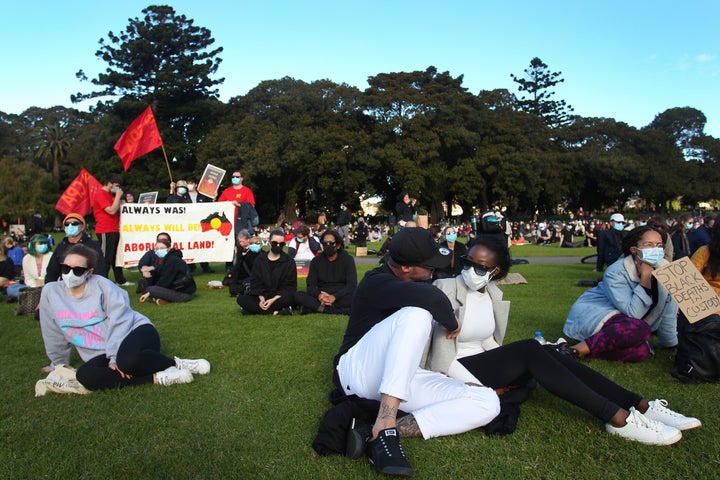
(356,439)
(386,454)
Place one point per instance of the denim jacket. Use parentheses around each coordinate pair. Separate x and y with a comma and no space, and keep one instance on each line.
(620,292)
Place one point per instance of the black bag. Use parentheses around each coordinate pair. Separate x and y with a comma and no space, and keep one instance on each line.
(698,352)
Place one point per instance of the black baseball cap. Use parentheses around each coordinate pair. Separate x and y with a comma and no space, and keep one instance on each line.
(415,246)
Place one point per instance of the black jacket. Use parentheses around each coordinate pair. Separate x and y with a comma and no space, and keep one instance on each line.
(53,272)
(172,272)
(270,280)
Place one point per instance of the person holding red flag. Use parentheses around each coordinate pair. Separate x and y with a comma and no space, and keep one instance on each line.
(106,209)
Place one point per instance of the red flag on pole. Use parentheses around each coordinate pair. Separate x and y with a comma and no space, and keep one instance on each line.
(77,197)
(141,137)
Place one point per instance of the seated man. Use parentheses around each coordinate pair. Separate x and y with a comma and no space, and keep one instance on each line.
(331,281)
(390,323)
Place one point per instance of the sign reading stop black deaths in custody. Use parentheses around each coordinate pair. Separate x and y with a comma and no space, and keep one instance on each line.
(693,294)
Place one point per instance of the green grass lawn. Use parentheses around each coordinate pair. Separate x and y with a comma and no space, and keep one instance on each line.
(256,413)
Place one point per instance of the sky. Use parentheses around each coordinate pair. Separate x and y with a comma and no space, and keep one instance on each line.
(627,60)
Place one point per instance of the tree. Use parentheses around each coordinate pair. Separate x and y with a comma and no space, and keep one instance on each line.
(685,126)
(164,56)
(53,146)
(537,83)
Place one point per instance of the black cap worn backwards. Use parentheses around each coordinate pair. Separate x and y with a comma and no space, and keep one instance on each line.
(415,246)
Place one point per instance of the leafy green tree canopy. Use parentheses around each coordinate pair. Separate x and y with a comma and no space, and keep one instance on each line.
(537,84)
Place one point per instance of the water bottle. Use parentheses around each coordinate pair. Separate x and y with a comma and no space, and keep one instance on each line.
(539,338)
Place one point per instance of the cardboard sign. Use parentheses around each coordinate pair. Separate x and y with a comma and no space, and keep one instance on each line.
(203,231)
(686,285)
(361,251)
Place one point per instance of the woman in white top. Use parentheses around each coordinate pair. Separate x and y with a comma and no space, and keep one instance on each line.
(34,265)
(478,356)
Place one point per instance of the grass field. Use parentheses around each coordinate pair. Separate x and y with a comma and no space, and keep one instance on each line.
(256,413)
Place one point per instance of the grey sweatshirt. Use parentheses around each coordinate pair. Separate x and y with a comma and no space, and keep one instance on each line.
(95,323)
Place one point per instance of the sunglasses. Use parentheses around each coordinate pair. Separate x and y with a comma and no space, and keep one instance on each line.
(237,176)
(74,224)
(78,271)
(329,244)
(479,269)
(277,244)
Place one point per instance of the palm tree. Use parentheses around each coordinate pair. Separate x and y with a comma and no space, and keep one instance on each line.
(53,145)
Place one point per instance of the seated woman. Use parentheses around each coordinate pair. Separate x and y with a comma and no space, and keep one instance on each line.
(120,347)
(273,282)
(615,319)
(331,281)
(35,264)
(171,280)
(7,267)
(477,356)
(248,250)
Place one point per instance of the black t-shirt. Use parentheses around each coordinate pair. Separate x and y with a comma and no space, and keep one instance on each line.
(7,269)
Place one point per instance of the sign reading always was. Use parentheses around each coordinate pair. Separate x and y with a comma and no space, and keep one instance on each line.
(202,231)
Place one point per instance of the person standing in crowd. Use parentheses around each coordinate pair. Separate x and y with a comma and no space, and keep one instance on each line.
(129,196)
(390,323)
(331,280)
(196,197)
(120,347)
(273,282)
(609,242)
(106,209)
(702,234)
(74,225)
(361,233)
(405,209)
(679,236)
(178,193)
(243,199)
(342,221)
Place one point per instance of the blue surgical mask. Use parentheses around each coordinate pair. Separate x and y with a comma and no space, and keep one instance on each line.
(451,237)
(114,189)
(688,226)
(72,230)
(255,247)
(618,226)
(651,256)
(642,224)
(161,252)
(182,191)
(41,247)
(235,181)
(300,240)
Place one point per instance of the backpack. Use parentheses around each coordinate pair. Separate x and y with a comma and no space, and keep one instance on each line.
(490,222)
(698,352)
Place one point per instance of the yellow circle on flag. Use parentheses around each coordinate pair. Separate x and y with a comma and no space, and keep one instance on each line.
(215,223)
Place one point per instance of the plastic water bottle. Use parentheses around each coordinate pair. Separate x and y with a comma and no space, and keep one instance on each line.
(539,338)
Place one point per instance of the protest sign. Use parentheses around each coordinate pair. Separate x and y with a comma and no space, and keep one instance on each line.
(686,285)
(148,197)
(303,268)
(210,181)
(202,231)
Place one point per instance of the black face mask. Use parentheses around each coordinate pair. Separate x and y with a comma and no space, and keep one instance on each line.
(329,251)
(276,250)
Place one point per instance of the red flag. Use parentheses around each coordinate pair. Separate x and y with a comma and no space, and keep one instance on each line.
(77,197)
(141,137)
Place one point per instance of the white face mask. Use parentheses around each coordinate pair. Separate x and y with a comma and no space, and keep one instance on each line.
(473,280)
(651,256)
(71,280)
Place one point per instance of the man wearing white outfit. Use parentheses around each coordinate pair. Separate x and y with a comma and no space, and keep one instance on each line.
(390,323)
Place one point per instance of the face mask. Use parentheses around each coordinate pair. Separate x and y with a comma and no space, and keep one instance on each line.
(255,248)
(329,251)
(642,224)
(688,226)
(619,227)
(191,187)
(72,230)
(300,240)
(276,250)
(114,189)
(71,280)
(235,181)
(473,280)
(161,253)
(451,237)
(651,256)
(182,190)
(41,248)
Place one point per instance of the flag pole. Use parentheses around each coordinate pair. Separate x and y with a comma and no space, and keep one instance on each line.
(166,162)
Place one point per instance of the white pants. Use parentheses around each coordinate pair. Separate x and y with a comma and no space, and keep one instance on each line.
(386,361)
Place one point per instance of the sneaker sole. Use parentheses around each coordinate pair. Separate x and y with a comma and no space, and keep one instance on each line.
(354,445)
(669,441)
(398,471)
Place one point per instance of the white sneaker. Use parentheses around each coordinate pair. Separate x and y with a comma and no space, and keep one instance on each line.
(199,366)
(644,430)
(126,284)
(659,412)
(173,375)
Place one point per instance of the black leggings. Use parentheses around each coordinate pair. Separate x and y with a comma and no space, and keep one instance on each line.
(139,356)
(562,375)
(251,304)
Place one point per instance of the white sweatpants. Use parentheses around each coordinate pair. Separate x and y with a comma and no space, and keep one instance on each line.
(386,360)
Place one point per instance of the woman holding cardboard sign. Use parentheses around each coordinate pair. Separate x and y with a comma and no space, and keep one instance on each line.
(615,319)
